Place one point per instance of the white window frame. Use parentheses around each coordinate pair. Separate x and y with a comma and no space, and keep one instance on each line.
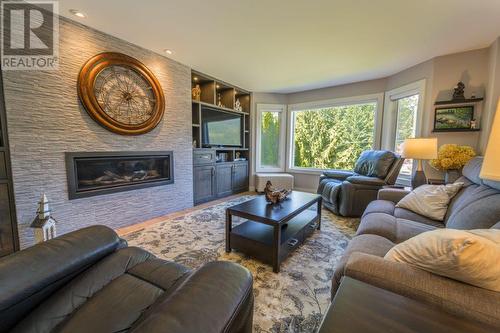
(377,98)
(391,116)
(281,109)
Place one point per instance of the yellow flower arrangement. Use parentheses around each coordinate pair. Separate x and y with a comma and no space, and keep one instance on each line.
(452,157)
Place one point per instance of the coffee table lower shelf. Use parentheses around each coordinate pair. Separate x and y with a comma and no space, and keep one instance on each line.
(257,239)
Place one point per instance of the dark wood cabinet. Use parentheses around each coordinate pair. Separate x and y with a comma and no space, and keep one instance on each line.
(240,176)
(213,179)
(204,183)
(224,179)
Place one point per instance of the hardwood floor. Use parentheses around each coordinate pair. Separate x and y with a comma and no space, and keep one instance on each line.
(126,230)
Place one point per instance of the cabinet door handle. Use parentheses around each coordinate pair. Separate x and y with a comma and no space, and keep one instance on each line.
(213,171)
(313,225)
(292,242)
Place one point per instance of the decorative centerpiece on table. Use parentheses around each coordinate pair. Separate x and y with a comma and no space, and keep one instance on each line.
(451,159)
(273,195)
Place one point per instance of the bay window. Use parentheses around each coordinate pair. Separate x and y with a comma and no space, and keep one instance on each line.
(270,148)
(403,120)
(332,134)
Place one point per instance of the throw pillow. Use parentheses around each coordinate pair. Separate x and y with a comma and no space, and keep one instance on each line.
(430,200)
(470,256)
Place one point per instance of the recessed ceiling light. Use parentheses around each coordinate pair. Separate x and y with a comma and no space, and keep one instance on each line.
(167,51)
(77,13)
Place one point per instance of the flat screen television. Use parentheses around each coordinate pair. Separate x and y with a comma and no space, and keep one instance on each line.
(221,128)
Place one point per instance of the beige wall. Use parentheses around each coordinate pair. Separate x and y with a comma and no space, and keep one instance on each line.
(346,90)
(478,69)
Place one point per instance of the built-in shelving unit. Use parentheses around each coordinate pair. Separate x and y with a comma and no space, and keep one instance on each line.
(459,101)
(219,171)
(214,91)
(456,130)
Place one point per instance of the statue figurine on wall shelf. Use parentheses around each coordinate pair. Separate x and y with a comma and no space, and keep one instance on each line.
(458,92)
(275,196)
(219,101)
(196,92)
(473,124)
(237,105)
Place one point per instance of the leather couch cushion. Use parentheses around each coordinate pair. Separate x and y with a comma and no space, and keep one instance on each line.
(206,302)
(330,190)
(409,215)
(472,170)
(492,184)
(369,244)
(51,264)
(380,206)
(365,180)
(380,224)
(374,163)
(475,207)
(394,229)
(110,296)
(338,174)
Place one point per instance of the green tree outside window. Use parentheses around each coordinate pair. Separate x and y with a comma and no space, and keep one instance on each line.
(333,137)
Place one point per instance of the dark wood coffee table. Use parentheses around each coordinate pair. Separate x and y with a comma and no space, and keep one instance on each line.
(272,232)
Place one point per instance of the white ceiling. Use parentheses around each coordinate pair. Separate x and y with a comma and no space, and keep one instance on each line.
(292,45)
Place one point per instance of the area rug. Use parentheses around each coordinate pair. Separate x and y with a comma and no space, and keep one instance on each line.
(291,301)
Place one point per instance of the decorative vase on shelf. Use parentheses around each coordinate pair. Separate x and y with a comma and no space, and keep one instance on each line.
(450,176)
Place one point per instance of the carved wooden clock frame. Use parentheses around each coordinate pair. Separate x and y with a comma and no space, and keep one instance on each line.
(86,92)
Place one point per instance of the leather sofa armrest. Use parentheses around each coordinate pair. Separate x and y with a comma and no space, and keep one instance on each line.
(218,297)
(337,174)
(451,295)
(364,180)
(30,276)
(392,194)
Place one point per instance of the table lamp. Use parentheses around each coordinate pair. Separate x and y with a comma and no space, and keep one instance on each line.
(491,162)
(419,149)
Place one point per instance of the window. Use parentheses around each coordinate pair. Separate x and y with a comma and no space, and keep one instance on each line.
(402,120)
(270,150)
(406,127)
(332,135)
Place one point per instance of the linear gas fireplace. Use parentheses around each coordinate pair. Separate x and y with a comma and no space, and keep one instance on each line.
(97,173)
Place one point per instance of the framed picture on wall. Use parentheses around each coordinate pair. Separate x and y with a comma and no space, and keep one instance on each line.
(453,118)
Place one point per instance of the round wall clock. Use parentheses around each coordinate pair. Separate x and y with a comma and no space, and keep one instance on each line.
(121,93)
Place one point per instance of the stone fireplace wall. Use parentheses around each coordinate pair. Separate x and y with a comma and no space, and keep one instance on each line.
(45,120)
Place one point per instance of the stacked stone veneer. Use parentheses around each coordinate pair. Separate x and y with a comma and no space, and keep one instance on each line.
(45,119)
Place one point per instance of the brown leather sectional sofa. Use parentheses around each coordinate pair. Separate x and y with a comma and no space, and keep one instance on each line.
(90,281)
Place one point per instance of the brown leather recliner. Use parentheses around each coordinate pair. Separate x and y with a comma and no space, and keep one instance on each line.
(347,193)
(90,281)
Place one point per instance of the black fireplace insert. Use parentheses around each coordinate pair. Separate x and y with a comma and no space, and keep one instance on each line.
(96,173)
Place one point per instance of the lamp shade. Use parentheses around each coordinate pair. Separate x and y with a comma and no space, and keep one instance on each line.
(491,163)
(420,148)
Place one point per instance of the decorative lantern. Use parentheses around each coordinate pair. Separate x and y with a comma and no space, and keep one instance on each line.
(44,224)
